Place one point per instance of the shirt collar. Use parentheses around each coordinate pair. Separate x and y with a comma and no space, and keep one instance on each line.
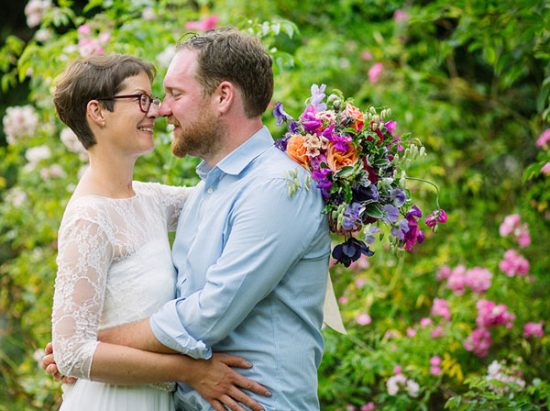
(236,161)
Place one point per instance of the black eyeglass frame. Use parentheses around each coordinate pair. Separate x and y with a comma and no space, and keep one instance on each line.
(150,100)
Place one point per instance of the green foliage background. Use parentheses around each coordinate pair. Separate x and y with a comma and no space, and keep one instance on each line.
(471,79)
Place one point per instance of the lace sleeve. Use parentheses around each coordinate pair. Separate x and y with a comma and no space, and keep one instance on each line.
(84,256)
(172,200)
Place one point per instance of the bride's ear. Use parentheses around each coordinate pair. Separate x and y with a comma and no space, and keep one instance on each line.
(95,113)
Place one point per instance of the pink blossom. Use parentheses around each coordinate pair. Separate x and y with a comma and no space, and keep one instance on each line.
(360,282)
(363,319)
(479,341)
(514,264)
(437,332)
(523,237)
(545,169)
(368,406)
(435,361)
(19,122)
(441,308)
(443,273)
(203,25)
(400,16)
(411,332)
(436,217)
(35,10)
(478,279)
(544,138)
(366,55)
(375,72)
(533,330)
(457,281)
(84,30)
(343,300)
(490,314)
(350,407)
(424,322)
(397,369)
(510,223)
(88,47)
(435,368)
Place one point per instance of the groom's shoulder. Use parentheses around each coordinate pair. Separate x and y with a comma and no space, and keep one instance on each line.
(273,163)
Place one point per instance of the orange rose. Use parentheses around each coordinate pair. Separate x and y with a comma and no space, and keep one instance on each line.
(296,149)
(337,159)
(356,115)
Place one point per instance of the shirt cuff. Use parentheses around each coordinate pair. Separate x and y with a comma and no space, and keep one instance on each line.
(169,330)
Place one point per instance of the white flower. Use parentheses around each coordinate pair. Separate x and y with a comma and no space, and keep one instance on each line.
(494,368)
(43,35)
(166,56)
(54,171)
(148,14)
(19,121)
(38,354)
(35,10)
(16,197)
(69,138)
(37,154)
(394,382)
(412,388)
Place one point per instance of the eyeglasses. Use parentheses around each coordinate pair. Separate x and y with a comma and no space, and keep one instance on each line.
(145,100)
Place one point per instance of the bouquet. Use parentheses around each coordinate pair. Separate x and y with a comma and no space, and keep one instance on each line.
(357,161)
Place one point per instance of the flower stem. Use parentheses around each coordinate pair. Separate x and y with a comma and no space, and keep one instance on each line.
(432,184)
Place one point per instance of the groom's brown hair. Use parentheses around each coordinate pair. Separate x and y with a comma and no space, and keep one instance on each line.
(93,78)
(228,54)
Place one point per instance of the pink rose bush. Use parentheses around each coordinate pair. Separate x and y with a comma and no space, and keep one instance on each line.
(543,139)
(512,226)
(533,330)
(478,279)
(514,264)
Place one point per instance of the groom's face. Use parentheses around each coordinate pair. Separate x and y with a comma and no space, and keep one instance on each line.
(196,127)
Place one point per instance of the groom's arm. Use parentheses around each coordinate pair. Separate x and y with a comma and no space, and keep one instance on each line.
(269,232)
(137,335)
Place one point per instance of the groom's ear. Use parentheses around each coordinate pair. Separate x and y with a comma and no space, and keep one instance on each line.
(225,96)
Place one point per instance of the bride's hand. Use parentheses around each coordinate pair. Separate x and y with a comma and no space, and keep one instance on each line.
(48,364)
(222,386)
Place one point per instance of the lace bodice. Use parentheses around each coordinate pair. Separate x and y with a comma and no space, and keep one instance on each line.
(114,267)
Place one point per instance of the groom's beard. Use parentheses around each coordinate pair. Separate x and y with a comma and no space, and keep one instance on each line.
(201,138)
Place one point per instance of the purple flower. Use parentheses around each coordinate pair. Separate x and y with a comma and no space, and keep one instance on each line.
(281,143)
(414,212)
(400,230)
(317,97)
(350,251)
(414,234)
(361,193)
(309,119)
(390,126)
(398,197)
(391,214)
(322,177)
(352,219)
(369,236)
(280,114)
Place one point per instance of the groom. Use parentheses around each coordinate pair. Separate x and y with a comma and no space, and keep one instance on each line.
(252,261)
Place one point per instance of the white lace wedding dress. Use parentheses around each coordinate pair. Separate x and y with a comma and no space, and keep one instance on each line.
(114,267)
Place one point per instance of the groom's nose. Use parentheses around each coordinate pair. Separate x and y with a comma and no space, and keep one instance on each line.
(164,109)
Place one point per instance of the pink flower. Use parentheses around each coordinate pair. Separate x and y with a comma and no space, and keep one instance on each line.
(457,280)
(490,314)
(441,308)
(533,330)
(514,264)
(84,30)
(363,319)
(366,55)
(397,369)
(343,300)
(479,342)
(523,237)
(368,406)
(435,368)
(512,226)
(545,169)
(437,216)
(443,273)
(360,282)
(375,72)
(400,16)
(350,407)
(411,332)
(424,322)
(203,25)
(437,332)
(478,279)
(544,138)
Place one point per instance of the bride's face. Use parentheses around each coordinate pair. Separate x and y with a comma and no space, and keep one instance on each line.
(128,129)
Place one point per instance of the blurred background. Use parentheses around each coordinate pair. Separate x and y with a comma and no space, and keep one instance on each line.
(461,322)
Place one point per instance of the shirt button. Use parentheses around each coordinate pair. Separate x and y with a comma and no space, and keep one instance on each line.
(210,190)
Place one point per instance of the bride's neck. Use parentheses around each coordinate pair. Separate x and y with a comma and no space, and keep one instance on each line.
(108,175)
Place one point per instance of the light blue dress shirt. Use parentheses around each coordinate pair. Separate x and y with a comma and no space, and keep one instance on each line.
(252,268)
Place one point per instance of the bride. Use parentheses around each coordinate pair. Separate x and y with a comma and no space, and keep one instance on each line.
(114,261)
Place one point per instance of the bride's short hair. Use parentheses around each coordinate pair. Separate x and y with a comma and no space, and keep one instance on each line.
(93,78)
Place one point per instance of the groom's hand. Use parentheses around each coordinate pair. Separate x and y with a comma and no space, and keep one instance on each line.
(48,364)
(217,382)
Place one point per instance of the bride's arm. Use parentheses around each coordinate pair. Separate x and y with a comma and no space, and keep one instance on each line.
(84,257)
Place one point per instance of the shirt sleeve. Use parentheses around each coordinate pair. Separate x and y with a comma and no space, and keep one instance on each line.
(268,233)
(83,260)
(172,200)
